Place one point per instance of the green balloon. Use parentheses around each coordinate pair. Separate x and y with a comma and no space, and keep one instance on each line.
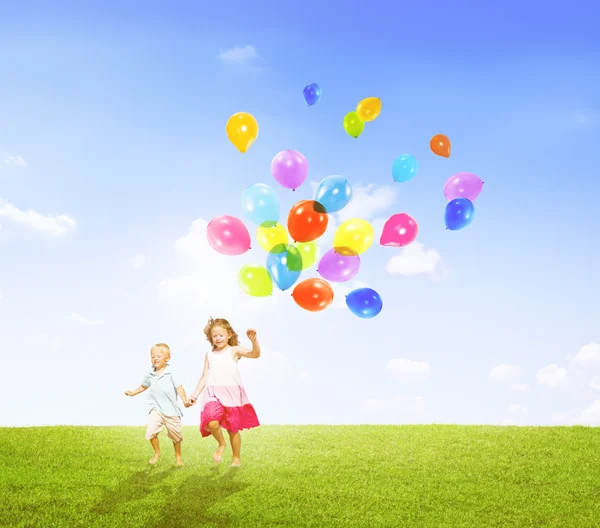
(353,124)
(255,280)
(293,258)
(309,252)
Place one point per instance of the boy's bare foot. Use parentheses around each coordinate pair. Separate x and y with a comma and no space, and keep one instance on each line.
(179,461)
(236,462)
(218,454)
(155,458)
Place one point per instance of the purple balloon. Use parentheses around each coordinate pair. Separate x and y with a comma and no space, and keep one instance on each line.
(289,168)
(339,264)
(463,185)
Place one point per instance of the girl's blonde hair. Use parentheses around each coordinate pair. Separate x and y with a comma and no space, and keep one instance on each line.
(223,323)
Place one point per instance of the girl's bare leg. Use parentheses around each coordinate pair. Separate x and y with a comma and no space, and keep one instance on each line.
(217,432)
(156,447)
(177,447)
(236,446)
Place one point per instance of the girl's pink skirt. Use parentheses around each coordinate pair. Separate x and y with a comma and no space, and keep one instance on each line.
(233,418)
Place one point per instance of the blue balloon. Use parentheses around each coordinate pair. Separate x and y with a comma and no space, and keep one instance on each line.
(261,204)
(284,264)
(334,193)
(404,168)
(364,302)
(459,213)
(312,94)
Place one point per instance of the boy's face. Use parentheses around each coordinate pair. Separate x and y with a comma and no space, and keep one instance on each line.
(159,357)
(219,336)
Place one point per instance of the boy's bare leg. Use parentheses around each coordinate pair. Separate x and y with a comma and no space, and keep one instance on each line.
(236,446)
(177,447)
(217,432)
(156,447)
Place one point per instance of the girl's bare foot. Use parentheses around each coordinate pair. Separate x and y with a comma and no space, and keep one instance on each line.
(236,462)
(218,454)
(154,459)
(179,461)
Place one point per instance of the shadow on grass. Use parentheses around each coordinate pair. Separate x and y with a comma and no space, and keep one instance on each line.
(183,503)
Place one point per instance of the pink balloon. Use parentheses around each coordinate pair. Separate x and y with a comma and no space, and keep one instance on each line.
(228,235)
(463,185)
(400,230)
(289,168)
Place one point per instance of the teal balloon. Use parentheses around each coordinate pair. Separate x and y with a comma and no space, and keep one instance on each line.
(459,213)
(284,264)
(334,193)
(404,168)
(260,204)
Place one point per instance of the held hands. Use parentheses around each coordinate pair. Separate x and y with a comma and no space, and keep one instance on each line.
(251,333)
(190,402)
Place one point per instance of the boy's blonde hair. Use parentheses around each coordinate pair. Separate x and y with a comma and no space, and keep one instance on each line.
(223,323)
(163,346)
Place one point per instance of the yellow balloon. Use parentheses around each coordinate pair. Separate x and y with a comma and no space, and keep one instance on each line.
(242,130)
(255,280)
(368,109)
(356,234)
(271,234)
(309,252)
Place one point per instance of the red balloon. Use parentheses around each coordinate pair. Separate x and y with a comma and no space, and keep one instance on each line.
(313,295)
(307,221)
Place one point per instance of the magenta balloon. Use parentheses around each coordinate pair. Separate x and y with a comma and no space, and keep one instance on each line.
(228,235)
(289,168)
(339,264)
(399,230)
(463,185)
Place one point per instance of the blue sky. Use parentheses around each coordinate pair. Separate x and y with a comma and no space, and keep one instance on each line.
(114,156)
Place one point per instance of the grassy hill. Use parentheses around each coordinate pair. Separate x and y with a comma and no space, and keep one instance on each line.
(371,475)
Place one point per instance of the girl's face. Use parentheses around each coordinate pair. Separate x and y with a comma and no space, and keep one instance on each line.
(220,336)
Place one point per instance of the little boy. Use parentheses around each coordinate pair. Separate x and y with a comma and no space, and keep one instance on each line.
(162,401)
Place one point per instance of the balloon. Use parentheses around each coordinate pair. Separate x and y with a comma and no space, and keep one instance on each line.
(289,168)
(404,168)
(356,234)
(309,252)
(353,124)
(228,235)
(368,109)
(364,302)
(284,263)
(255,280)
(242,130)
(313,294)
(459,213)
(334,193)
(312,94)
(307,221)
(440,145)
(339,264)
(463,185)
(261,204)
(399,230)
(271,234)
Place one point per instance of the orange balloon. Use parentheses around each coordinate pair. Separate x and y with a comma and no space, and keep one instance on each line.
(440,145)
(307,221)
(313,295)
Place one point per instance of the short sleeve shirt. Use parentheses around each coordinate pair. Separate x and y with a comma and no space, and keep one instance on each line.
(162,392)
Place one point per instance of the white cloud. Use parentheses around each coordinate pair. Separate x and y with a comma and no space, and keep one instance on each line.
(369,201)
(577,375)
(80,319)
(515,414)
(0,293)
(503,372)
(589,416)
(407,369)
(239,55)
(136,262)
(520,387)
(415,260)
(595,383)
(51,225)
(17,161)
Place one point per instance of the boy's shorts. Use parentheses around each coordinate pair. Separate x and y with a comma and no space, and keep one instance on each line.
(156,420)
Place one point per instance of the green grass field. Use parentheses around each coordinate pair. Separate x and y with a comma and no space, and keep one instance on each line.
(431,475)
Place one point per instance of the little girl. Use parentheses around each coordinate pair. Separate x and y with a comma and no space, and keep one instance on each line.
(224,402)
